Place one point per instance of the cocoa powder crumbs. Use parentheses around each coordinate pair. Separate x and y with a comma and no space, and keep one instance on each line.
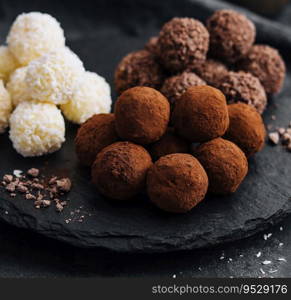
(41,190)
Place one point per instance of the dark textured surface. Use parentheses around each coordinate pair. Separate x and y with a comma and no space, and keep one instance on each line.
(263,198)
(27,254)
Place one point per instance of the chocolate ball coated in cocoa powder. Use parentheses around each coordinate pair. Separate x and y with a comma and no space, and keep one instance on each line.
(212,71)
(177,182)
(182,44)
(267,64)
(168,144)
(225,164)
(244,87)
(173,87)
(93,135)
(138,68)
(201,114)
(231,34)
(119,171)
(142,115)
(246,128)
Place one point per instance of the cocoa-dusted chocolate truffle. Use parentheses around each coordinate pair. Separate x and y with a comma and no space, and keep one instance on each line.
(173,87)
(201,114)
(225,164)
(182,44)
(244,87)
(151,45)
(93,135)
(231,34)
(119,171)
(168,144)
(212,71)
(246,128)
(177,182)
(142,115)
(138,68)
(267,64)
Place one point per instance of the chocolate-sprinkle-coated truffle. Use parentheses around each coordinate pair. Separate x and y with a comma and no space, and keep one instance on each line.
(246,128)
(151,45)
(182,44)
(119,171)
(142,115)
(212,71)
(201,114)
(95,134)
(267,64)
(168,144)
(231,34)
(244,87)
(175,86)
(177,182)
(138,68)
(225,164)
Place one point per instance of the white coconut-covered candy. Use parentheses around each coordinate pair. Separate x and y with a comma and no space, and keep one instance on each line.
(5,107)
(34,34)
(8,63)
(16,86)
(54,76)
(92,96)
(36,128)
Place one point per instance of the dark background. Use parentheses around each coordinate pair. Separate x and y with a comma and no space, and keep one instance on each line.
(26,254)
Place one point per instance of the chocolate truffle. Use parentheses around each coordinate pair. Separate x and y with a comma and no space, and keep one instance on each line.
(225,164)
(142,115)
(138,68)
(231,34)
(246,128)
(175,86)
(201,114)
(265,63)
(119,171)
(95,134)
(183,43)
(212,71)
(244,87)
(151,45)
(168,144)
(177,182)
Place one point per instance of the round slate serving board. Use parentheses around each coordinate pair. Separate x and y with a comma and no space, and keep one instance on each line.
(101,36)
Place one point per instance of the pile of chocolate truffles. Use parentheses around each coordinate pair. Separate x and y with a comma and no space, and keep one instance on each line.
(188,115)
(204,150)
(220,53)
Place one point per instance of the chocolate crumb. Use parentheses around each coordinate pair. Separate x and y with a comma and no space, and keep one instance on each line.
(11,187)
(33,172)
(274,137)
(64,184)
(7,178)
(21,188)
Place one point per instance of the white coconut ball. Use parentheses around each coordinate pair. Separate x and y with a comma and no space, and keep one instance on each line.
(5,107)
(36,128)
(34,34)
(16,86)
(7,63)
(54,76)
(92,96)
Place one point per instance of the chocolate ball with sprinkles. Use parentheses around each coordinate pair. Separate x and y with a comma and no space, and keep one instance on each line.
(139,68)
(182,44)
(244,87)
(231,34)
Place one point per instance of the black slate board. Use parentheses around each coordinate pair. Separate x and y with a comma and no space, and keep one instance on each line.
(101,35)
